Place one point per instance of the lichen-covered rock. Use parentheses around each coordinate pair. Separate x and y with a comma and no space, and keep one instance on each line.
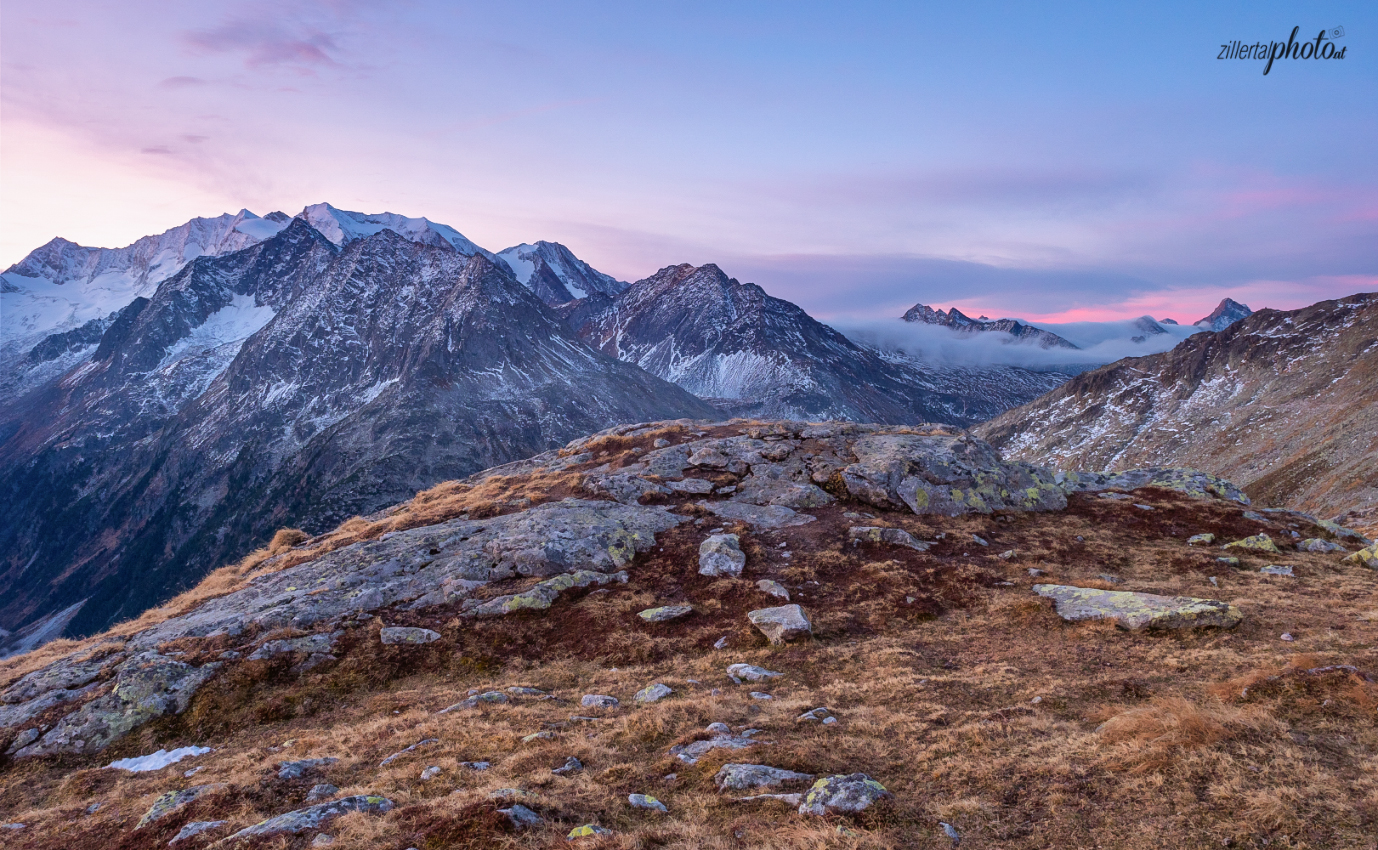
(774,588)
(314,650)
(599,701)
(1319,545)
(588,830)
(854,792)
(739,777)
(948,473)
(1345,533)
(691,753)
(646,801)
(627,489)
(1205,539)
(783,624)
(1256,543)
(750,673)
(314,817)
(394,635)
(540,596)
(893,536)
(721,556)
(653,693)
(62,675)
(1139,610)
(1367,557)
(1278,570)
(665,613)
(174,800)
(1192,482)
(147,685)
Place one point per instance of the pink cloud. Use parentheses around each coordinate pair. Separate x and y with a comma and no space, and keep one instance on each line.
(266,43)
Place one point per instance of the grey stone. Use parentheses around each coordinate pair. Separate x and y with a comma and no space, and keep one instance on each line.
(571,766)
(599,701)
(789,799)
(1192,482)
(893,536)
(721,556)
(695,486)
(842,795)
(783,624)
(542,595)
(775,484)
(718,728)
(522,691)
(64,675)
(1277,570)
(652,693)
(174,800)
(23,739)
(1139,610)
(588,830)
(393,635)
(816,715)
(478,701)
(691,753)
(195,828)
(645,801)
(760,695)
(750,673)
(740,777)
(627,489)
(476,765)
(298,769)
(774,588)
(1205,539)
(425,742)
(430,773)
(313,817)
(521,817)
(323,791)
(665,613)
(1318,544)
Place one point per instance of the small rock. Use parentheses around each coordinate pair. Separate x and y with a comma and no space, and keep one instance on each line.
(721,556)
(893,536)
(761,695)
(1036,572)
(394,635)
(478,700)
(817,715)
(665,613)
(521,817)
(174,800)
(588,830)
(571,766)
(476,765)
(1368,557)
(750,673)
(93,808)
(313,817)
(1256,543)
(1008,555)
(1287,636)
(1213,582)
(979,540)
(324,791)
(774,588)
(783,624)
(1228,561)
(425,742)
(322,840)
(297,769)
(842,794)
(430,773)
(651,693)
(1277,570)
(547,735)
(1145,507)
(599,701)
(521,691)
(196,828)
(643,801)
(660,443)
(951,832)
(718,729)
(1109,579)
(1201,539)
(720,643)
(1321,545)
(1255,516)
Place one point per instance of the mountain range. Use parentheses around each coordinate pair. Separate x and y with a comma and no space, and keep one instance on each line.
(168,405)
(1278,402)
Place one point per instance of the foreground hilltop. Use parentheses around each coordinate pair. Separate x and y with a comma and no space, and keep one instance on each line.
(766,634)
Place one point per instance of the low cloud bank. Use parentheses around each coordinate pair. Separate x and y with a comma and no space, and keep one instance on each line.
(1100,343)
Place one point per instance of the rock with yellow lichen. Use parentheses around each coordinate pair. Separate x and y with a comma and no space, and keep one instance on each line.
(1256,543)
(1367,557)
(1136,611)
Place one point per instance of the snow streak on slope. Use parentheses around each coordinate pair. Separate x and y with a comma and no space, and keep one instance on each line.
(551,270)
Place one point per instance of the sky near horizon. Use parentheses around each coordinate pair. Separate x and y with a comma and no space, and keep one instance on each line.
(1084,162)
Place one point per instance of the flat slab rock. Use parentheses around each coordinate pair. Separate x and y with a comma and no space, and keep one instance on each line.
(1136,611)
(313,817)
(740,777)
(783,624)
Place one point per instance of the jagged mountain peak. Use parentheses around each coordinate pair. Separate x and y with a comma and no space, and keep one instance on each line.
(551,270)
(958,321)
(342,227)
(1226,313)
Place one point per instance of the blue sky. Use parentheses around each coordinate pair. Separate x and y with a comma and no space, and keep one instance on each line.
(1084,161)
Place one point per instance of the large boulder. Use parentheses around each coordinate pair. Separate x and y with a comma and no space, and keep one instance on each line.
(783,624)
(1135,611)
(842,795)
(721,556)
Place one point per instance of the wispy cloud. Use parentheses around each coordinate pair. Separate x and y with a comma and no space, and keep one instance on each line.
(182,83)
(268,42)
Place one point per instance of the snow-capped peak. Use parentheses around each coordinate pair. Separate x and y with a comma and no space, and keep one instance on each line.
(551,270)
(1226,313)
(342,227)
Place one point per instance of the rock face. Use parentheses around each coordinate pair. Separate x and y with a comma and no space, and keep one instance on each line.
(371,368)
(721,556)
(1276,402)
(1135,611)
(842,794)
(754,355)
(782,625)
